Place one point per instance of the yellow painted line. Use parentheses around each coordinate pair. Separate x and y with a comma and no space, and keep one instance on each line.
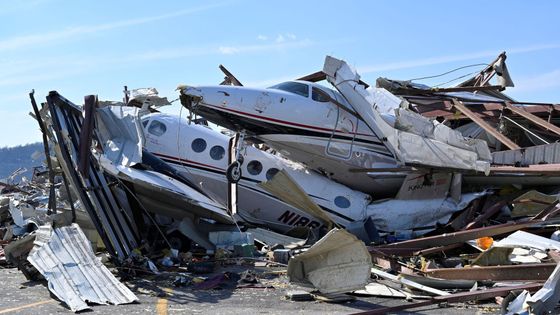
(161,305)
(14,309)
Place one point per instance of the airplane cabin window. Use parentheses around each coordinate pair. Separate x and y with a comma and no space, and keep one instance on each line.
(217,152)
(157,128)
(319,96)
(271,172)
(254,167)
(198,145)
(293,87)
(342,202)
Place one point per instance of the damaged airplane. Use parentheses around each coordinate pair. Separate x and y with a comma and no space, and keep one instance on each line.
(364,138)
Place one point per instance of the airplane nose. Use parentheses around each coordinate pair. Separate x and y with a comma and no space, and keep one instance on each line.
(190,91)
(212,96)
(190,96)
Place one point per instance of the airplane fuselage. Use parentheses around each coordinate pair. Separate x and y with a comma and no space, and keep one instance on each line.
(200,154)
(306,126)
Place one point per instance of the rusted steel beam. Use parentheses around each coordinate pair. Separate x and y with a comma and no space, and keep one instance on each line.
(467,112)
(387,252)
(466,89)
(466,216)
(483,110)
(456,298)
(434,250)
(409,247)
(487,214)
(532,118)
(524,272)
(552,105)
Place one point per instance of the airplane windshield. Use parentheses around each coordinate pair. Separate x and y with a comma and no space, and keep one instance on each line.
(293,87)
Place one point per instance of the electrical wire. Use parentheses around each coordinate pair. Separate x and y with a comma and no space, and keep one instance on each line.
(457,78)
(450,71)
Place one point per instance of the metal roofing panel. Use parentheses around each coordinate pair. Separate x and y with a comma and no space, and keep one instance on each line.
(75,275)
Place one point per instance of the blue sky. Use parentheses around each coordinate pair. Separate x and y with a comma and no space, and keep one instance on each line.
(97,47)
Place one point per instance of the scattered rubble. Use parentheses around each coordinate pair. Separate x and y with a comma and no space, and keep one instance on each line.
(458,201)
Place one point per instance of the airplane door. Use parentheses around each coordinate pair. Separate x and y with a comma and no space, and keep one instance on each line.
(343,135)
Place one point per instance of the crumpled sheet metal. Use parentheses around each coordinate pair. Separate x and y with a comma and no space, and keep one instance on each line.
(337,263)
(421,142)
(396,215)
(527,240)
(65,258)
(543,301)
(153,188)
(119,129)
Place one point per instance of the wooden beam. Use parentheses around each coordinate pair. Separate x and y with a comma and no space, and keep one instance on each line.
(474,117)
(532,118)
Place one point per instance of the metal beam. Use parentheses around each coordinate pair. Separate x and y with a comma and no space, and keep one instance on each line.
(230,78)
(410,247)
(84,150)
(467,112)
(405,248)
(532,118)
(524,272)
(545,169)
(456,298)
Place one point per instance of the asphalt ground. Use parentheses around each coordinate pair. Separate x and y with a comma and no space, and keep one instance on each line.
(158,295)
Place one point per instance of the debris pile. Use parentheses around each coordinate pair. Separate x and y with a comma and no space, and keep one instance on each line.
(430,195)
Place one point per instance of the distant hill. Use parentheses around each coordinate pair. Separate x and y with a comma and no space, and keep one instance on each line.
(13,158)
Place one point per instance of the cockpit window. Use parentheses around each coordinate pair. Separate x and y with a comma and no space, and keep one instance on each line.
(157,128)
(293,87)
(145,123)
(319,95)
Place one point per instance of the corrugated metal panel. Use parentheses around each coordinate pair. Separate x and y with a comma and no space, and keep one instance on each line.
(540,154)
(65,258)
(118,231)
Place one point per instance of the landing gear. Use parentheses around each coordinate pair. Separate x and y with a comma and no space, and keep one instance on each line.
(233,172)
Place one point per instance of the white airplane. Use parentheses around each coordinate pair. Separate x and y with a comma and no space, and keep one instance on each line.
(360,138)
(201,154)
(305,122)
